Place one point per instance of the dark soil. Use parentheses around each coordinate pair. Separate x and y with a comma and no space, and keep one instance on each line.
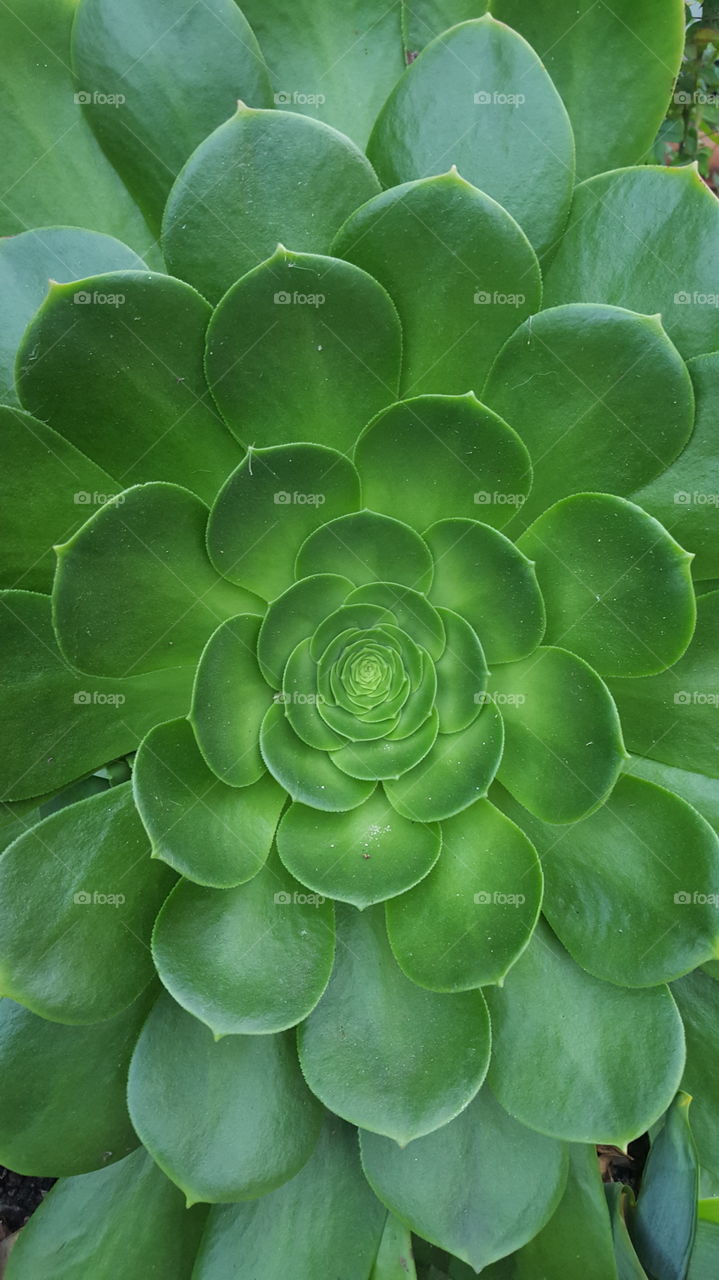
(19,1197)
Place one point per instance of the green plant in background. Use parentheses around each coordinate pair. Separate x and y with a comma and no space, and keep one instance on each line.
(691,128)
(360,687)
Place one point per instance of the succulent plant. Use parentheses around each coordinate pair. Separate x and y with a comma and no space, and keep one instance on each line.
(360,629)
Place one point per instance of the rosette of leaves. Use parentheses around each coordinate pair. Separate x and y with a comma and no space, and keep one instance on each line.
(391,626)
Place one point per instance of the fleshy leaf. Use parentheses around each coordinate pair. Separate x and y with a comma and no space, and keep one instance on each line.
(663,1224)
(219,953)
(468,921)
(409,1059)
(456,772)
(560,766)
(362,857)
(696,788)
(139,1223)
(479,279)
(601,258)
(212,833)
(168,101)
(488,581)
(475,98)
(600,396)
(629,889)
(412,611)
(79,895)
(145,332)
(294,616)
(367,547)
(395,1256)
(697,996)
(617,587)
(269,505)
(134,591)
(229,701)
(227,1120)
(29,261)
(387,757)
(225,213)
(308,775)
(304,347)
(426,459)
(462,675)
(626,1048)
(437,1183)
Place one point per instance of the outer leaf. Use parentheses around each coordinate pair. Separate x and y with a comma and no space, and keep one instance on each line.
(28,261)
(362,857)
(422,20)
(621,1202)
(74,1118)
(367,547)
(475,97)
(663,1225)
(325,1220)
(80,729)
(436,456)
(700,791)
(437,1185)
(684,497)
(600,396)
(454,774)
(395,1257)
(614,69)
(169,101)
(225,214)
(469,920)
(229,701)
(78,897)
(626,1049)
(220,953)
(705,1255)
(140,1224)
(214,834)
(697,996)
(226,1121)
(294,616)
(304,347)
(480,276)
(409,1060)
(146,333)
(604,254)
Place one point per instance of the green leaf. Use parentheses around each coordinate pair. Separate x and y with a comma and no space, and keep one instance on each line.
(601,256)
(454,774)
(700,791)
(663,1224)
(479,97)
(469,920)
(425,459)
(385,757)
(490,583)
(422,20)
(53,169)
(412,611)
(395,1256)
(78,898)
(27,263)
(308,775)
(697,996)
(294,616)
(214,1114)
(408,1060)
(685,497)
(479,279)
(303,347)
(624,911)
(561,767)
(73,1118)
(146,333)
(626,1049)
(134,591)
(219,952)
(614,69)
(462,675)
(80,729)
(332,62)
(672,717)
(215,834)
(600,396)
(621,1201)
(269,505)
(437,1186)
(325,1222)
(617,587)
(177,72)
(705,1254)
(139,1223)
(367,547)
(225,214)
(362,857)
(229,701)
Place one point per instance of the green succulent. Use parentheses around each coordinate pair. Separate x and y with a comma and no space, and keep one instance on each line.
(359,622)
